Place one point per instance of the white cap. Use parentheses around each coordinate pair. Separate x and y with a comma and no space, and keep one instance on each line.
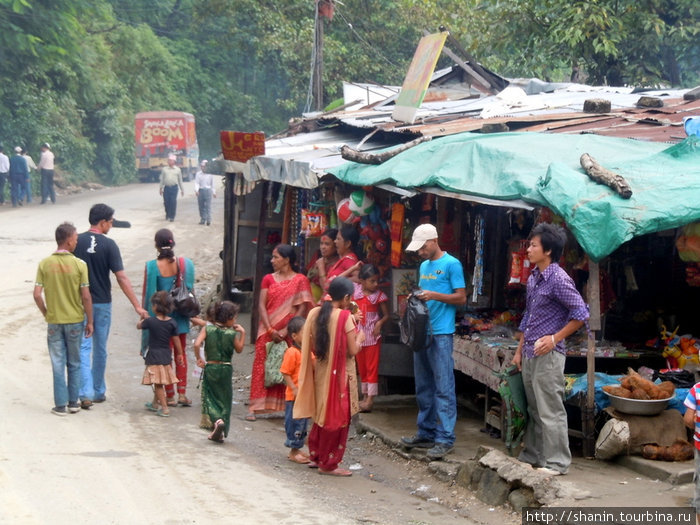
(424,232)
(18,149)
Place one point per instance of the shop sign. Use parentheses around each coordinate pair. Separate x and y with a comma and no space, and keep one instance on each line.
(240,146)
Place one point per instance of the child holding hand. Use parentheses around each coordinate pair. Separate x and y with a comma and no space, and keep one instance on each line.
(223,337)
(162,329)
(291,365)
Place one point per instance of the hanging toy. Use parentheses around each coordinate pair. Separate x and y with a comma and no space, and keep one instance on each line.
(361,203)
(345,213)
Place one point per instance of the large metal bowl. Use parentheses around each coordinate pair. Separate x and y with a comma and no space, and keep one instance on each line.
(639,407)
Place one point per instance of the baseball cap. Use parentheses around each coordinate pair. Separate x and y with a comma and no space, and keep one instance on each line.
(46,145)
(18,149)
(424,232)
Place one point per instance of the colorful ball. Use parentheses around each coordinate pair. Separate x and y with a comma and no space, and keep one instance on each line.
(345,214)
(361,203)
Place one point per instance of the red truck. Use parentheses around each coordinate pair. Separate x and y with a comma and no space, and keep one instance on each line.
(161,133)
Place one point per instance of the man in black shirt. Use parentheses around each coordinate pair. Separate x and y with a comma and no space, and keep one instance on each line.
(102,257)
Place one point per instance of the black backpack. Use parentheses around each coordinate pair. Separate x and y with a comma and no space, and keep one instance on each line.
(415,328)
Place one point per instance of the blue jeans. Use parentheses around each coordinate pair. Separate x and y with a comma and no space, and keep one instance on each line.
(204,201)
(170,200)
(433,369)
(47,189)
(64,350)
(93,353)
(294,428)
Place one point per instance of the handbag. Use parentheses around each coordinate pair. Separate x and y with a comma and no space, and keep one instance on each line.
(186,304)
(273,363)
(414,326)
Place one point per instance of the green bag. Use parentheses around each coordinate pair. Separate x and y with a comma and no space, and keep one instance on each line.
(273,362)
(512,393)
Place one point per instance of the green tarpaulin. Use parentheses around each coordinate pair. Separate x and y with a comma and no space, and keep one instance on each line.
(544,169)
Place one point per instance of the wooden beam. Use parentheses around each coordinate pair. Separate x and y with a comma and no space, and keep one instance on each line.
(588,412)
(604,176)
(364,157)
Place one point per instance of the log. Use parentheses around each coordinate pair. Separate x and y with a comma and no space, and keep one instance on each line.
(362,157)
(602,175)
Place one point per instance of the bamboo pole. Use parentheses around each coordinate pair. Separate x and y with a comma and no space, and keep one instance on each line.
(588,416)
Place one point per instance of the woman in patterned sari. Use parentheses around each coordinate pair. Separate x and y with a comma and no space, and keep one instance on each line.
(328,385)
(348,264)
(283,294)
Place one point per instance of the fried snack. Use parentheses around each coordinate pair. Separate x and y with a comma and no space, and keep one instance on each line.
(617,391)
(625,382)
(681,450)
(667,388)
(638,382)
(639,393)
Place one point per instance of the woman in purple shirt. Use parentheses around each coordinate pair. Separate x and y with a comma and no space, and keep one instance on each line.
(554,311)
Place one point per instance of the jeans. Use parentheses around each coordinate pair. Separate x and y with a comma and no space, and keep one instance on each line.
(64,350)
(204,201)
(294,428)
(47,189)
(433,369)
(16,184)
(93,354)
(170,200)
(3,180)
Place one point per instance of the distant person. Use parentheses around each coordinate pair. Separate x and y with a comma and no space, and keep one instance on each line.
(328,384)
(554,310)
(348,263)
(18,176)
(103,257)
(443,289)
(162,333)
(220,339)
(27,193)
(160,275)
(291,365)
(170,180)
(375,312)
(204,189)
(322,262)
(4,174)
(63,279)
(46,167)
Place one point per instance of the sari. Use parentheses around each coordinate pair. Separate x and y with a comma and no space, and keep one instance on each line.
(328,389)
(345,262)
(217,387)
(282,297)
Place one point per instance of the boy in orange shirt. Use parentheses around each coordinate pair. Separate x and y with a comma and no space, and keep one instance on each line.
(291,364)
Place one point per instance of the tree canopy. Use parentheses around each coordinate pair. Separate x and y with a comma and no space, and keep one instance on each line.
(75,71)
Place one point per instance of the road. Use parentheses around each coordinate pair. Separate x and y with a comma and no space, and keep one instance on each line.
(117,463)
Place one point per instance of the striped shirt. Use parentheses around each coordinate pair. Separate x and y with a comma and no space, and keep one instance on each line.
(552,301)
(691,401)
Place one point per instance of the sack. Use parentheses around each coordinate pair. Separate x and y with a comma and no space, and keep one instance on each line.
(273,362)
(186,303)
(415,324)
(514,402)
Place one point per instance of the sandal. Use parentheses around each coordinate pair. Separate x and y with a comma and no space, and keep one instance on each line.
(184,401)
(337,472)
(150,406)
(250,416)
(217,434)
(171,402)
(299,458)
(160,413)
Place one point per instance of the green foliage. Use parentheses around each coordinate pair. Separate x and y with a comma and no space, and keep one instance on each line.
(76,71)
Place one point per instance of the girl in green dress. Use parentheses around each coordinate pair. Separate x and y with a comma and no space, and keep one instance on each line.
(222,338)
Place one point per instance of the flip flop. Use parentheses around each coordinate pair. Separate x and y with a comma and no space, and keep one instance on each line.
(312,464)
(299,458)
(337,472)
(151,407)
(160,413)
(216,434)
(171,402)
(184,401)
(250,417)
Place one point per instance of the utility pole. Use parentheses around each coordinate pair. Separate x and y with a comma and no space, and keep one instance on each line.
(324,9)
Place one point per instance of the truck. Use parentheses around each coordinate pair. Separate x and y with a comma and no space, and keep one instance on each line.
(159,134)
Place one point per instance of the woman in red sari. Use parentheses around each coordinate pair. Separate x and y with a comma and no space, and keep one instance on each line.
(328,385)
(283,294)
(318,269)
(348,264)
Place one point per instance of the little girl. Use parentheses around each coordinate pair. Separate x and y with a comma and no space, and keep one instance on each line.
(222,338)
(162,329)
(371,301)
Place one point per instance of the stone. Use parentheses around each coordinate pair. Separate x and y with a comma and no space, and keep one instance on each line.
(522,497)
(650,102)
(469,475)
(596,105)
(492,489)
(444,470)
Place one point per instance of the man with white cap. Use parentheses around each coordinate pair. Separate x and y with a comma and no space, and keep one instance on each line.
(204,190)
(46,169)
(170,180)
(18,174)
(442,287)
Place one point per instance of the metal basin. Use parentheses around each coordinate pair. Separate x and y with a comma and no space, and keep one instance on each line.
(639,407)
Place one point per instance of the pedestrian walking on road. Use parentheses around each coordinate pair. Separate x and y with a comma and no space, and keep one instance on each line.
(443,289)
(62,278)
(27,189)
(4,174)
(170,181)
(220,338)
(204,190)
(162,334)
(18,176)
(554,310)
(328,386)
(102,256)
(46,167)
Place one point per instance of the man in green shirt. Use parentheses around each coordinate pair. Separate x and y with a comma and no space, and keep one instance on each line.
(63,279)
(170,180)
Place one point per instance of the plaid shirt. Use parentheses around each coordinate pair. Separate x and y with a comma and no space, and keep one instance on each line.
(552,301)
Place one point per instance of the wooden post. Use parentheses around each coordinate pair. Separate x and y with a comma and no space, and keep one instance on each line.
(230,236)
(588,416)
(318,63)
(259,252)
